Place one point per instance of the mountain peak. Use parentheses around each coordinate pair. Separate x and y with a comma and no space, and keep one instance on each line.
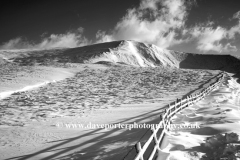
(136,54)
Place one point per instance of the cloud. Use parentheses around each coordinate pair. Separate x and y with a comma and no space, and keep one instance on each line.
(210,39)
(228,47)
(17,43)
(163,23)
(154,21)
(237,15)
(159,22)
(69,39)
(235,29)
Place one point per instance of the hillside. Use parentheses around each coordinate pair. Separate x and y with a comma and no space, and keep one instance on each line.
(124,52)
(130,53)
(97,84)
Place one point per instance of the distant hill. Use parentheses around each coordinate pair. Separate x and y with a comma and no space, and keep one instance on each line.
(126,52)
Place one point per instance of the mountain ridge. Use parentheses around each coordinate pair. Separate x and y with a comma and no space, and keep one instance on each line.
(126,52)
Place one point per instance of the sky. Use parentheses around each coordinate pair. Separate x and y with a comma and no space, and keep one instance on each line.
(193,26)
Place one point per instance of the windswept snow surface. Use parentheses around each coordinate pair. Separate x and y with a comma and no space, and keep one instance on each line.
(137,54)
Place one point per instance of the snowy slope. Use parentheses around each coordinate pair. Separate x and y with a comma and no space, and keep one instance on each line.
(137,54)
(124,52)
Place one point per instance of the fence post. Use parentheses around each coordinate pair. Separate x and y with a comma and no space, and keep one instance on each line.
(175,105)
(168,112)
(161,117)
(155,138)
(181,103)
(166,116)
(139,148)
(189,100)
(168,124)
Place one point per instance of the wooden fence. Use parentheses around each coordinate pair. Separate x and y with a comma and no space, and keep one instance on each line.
(168,114)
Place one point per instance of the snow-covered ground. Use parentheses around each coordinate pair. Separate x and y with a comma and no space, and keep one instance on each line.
(31,79)
(114,95)
(27,88)
(104,91)
(217,138)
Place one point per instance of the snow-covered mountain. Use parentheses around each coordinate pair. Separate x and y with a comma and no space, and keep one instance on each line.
(124,52)
(137,54)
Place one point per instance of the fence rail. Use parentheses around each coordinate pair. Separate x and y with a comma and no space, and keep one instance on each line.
(168,114)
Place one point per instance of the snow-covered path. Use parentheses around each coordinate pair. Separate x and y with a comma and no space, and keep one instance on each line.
(218,117)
